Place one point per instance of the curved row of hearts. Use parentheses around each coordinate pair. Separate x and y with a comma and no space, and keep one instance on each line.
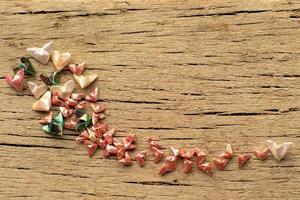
(85,114)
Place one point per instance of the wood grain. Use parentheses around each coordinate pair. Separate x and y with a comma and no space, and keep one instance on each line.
(189,73)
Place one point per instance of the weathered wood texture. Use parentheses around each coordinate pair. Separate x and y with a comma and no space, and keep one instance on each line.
(189,73)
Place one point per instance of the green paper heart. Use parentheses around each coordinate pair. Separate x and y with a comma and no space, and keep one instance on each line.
(56,126)
(83,122)
(26,65)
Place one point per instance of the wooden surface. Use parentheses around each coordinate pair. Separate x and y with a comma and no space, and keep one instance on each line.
(199,73)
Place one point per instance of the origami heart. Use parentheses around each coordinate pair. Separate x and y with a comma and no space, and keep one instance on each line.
(83,122)
(17,81)
(26,65)
(36,90)
(279,151)
(44,103)
(63,91)
(41,54)
(56,126)
(60,60)
(86,80)
(93,95)
(77,68)
(52,79)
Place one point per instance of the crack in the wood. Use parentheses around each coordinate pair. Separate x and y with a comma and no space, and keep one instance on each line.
(172,52)
(204,128)
(272,110)
(171,138)
(89,14)
(41,12)
(23,168)
(191,94)
(101,51)
(161,183)
(32,146)
(69,175)
(230,113)
(241,180)
(204,113)
(225,13)
(229,125)
(291,75)
(235,13)
(249,23)
(269,86)
(135,32)
(245,114)
(45,136)
(134,102)
(285,166)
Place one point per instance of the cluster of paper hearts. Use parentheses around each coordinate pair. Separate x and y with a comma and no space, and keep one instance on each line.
(83,113)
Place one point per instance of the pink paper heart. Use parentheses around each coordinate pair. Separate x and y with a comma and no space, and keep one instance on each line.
(77,68)
(17,81)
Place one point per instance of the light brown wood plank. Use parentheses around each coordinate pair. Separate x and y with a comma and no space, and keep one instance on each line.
(188,73)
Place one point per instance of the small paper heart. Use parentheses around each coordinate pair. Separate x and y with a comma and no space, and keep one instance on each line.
(36,90)
(85,80)
(44,103)
(60,60)
(279,151)
(77,68)
(64,90)
(41,54)
(16,81)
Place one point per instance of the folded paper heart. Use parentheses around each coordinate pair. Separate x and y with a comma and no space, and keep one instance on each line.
(41,54)
(97,107)
(52,79)
(85,80)
(44,103)
(26,65)
(56,126)
(84,122)
(36,90)
(93,96)
(60,60)
(64,90)
(17,81)
(77,68)
(279,151)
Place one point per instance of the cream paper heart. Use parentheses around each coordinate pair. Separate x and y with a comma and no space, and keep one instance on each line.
(41,54)
(36,90)
(278,151)
(60,60)
(85,80)
(64,90)
(44,103)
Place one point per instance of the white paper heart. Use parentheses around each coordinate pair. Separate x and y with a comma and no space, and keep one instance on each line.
(64,90)
(41,54)
(85,80)
(60,60)
(44,103)
(279,151)
(36,90)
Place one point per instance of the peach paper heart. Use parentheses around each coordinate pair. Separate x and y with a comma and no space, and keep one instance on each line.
(60,60)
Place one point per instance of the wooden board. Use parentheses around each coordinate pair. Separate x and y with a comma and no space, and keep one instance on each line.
(200,73)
